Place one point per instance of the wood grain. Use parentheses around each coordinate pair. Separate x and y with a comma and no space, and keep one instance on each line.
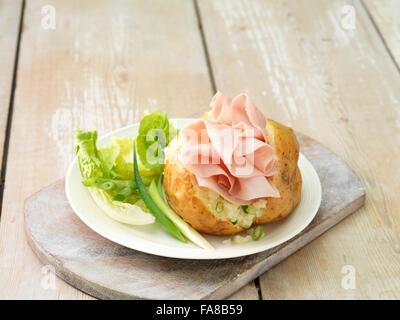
(295,59)
(122,273)
(100,68)
(386,15)
(337,85)
(10,13)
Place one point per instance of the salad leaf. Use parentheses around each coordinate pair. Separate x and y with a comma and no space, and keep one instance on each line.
(108,155)
(88,157)
(154,135)
(108,172)
(120,211)
(114,160)
(123,166)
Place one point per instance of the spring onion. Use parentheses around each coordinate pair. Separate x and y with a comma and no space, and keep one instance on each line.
(105,183)
(245,209)
(160,216)
(257,233)
(156,194)
(125,193)
(219,207)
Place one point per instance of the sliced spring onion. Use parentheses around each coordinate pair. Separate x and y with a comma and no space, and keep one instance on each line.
(257,233)
(160,216)
(156,193)
(219,207)
(108,185)
(125,193)
(245,209)
(105,183)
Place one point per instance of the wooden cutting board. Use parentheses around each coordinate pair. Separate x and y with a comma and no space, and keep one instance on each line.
(107,270)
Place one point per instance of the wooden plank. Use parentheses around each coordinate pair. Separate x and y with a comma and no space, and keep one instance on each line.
(248,292)
(386,15)
(100,68)
(10,12)
(121,273)
(339,86)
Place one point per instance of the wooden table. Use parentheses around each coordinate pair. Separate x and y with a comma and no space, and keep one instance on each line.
(306,63)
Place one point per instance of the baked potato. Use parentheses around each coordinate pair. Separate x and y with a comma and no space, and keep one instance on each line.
(208,212)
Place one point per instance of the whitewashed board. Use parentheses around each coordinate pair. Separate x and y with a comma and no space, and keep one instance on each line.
(107,270)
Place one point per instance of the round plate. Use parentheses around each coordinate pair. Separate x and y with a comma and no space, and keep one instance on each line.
(154,240)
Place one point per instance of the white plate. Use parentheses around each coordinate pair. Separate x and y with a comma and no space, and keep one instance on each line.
(154,240)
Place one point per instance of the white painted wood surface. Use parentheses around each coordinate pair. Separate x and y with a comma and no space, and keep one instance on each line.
(10,12)
(100,68)
(386,15)
(306,68)
(294,57)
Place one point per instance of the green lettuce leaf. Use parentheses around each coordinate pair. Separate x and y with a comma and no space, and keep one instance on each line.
(123,165)
(108,156)
(111,162)
(88,156)
(108,173)
(153,137)
(133,214)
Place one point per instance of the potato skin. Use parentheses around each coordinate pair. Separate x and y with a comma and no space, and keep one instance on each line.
(180,187)
(183,192)
(288,181)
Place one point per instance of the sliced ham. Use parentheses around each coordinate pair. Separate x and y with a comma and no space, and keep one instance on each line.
(230,153)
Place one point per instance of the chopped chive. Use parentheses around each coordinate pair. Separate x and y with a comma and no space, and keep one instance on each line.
(245,208)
